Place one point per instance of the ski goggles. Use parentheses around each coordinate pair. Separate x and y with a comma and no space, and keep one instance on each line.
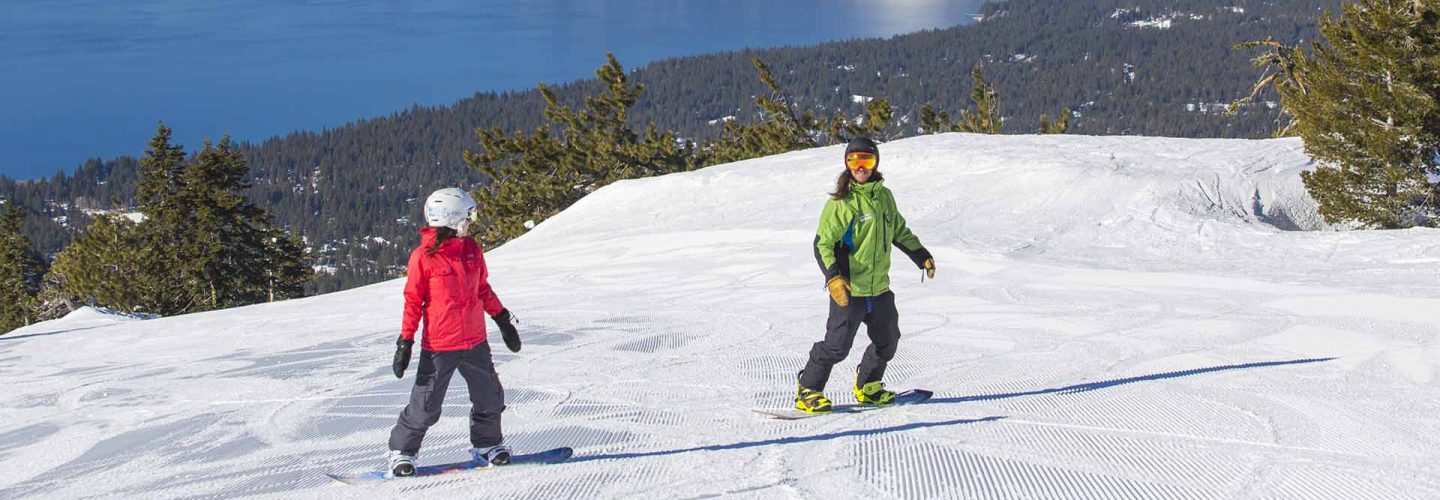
(866,161)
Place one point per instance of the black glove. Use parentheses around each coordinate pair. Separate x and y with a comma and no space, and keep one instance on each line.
(402,355)
(507,329)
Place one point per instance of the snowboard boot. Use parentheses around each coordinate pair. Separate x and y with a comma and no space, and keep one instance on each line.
(810,400)
(494,455)
(874,394)
(400,464)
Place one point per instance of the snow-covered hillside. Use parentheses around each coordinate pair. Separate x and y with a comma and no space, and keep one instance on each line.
(1113,317)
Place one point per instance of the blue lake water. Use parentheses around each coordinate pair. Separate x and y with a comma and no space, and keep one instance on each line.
(90,78)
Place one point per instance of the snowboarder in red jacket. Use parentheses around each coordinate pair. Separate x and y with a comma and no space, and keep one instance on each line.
(447,290)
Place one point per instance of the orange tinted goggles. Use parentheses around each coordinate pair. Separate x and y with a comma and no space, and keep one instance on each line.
(866,161)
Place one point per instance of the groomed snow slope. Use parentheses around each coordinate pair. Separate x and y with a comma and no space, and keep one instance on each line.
(1113,317)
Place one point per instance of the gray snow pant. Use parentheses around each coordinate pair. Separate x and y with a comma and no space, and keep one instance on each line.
(432,378)
(881,322)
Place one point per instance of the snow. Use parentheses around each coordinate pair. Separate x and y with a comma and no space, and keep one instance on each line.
(1113,317)
(1163,23)
(132,215)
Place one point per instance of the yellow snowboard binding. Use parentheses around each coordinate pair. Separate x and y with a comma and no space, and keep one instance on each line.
(874,393)
(811,401)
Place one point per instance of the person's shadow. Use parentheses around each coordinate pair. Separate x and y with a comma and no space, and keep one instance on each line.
(1069,389)
(1103,384)
(788,440)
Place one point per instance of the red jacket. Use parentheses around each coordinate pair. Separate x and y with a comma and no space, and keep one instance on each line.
(449,292)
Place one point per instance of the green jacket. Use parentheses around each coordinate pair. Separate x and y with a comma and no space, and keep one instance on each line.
(855,235)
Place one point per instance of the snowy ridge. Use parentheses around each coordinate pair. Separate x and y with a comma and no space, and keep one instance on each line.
(1113,317)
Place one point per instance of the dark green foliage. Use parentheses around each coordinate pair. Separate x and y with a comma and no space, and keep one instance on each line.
(201,246)
(226,257)
(1055,126)
(535,176)
(1279,62)
(1367,104)
(342,187)
(161,286)
(106,265)
(985,119)
(20,272)
(160,172)
(878,123)
(780,125)
(285,267)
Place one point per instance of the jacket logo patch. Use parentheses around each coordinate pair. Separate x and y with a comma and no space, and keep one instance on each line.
(864,217)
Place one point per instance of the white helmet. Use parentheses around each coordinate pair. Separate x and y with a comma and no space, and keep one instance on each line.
(449,207)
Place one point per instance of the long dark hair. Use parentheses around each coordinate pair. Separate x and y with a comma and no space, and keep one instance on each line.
(441,235)
(842,183)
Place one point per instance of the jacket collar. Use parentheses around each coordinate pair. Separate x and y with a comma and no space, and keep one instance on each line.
(868,189)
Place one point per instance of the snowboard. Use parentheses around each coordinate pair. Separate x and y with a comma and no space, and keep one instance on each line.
(910,397)
(552,456)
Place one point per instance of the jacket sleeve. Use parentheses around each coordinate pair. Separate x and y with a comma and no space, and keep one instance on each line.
(487,295)
(417,293)
(906,241)
(830,251)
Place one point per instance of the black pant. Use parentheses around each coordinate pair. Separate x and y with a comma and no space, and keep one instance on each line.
(881,322)
(432,378)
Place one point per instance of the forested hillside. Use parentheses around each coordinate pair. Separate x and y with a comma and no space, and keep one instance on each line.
(1151,67)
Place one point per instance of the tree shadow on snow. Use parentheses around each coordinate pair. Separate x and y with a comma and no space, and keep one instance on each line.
(1091,386)
(787,440)
(44,334)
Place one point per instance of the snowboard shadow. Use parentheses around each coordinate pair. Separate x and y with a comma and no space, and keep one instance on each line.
(787,440)
(1103,384)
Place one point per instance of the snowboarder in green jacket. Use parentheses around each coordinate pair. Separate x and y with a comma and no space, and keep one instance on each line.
(857,228)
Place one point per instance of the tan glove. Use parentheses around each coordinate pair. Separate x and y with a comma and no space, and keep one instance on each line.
(930,268)
(839,290)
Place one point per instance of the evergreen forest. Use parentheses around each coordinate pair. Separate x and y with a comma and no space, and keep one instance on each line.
(1145,67)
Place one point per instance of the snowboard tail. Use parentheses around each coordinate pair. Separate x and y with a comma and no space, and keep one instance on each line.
(551,456)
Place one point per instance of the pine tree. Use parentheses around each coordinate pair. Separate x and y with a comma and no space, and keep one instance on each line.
(286,271)
(20,271)
(932,122)
(1367,104)
(1058,126)
(533,177)
(985,119)
(106,265)
(876,124)
(781,126)
(161,288)
(201,245)
(229,255)
(160,172)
